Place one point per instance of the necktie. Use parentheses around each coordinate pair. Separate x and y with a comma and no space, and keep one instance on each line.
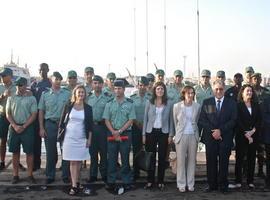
(218,106)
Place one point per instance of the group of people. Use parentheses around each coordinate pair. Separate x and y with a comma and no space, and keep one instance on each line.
(97,122)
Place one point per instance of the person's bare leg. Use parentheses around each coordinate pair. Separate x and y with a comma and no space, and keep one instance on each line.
(15,163)
(30,163)
(73,172)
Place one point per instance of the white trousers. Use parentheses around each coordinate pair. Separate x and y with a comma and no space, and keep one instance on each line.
(186,152)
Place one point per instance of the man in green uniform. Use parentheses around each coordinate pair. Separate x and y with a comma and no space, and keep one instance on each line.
(21,110)
(204,89)
(151,80)
(98,101)
(160,75)
(221,76)
(139,101)
(88,75)
(248,73)
(119,114)
(110,78)
(174,89)
(261,93)
(50,107)
(7,88)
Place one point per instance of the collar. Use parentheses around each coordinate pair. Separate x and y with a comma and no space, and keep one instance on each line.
(221,100)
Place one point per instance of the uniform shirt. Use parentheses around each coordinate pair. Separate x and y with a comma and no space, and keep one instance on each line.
(98,104)
(202,93)
(108,90)
(3,102)
(119,113)
(232,92)
(38,87)
(262,94)
(174,92)
(52,103)
(88,89)
(68,89)
(139,104)
(21,107)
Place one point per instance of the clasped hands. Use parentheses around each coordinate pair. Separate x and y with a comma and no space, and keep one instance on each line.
(216,134)
(248,135)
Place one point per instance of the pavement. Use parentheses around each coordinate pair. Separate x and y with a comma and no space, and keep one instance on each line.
(58,190)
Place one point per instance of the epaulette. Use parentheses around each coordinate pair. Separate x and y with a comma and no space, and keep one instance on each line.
(129,100)
(89,94)
(107,94)
(133,95)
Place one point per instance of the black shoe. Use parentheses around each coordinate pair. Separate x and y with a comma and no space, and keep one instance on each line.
(2,166)
(92,179)
(22,167)
(49,181)
(109,186)
(104,179)
(15,180)
(224,191)
(129,186)
(66,180)
(31,180)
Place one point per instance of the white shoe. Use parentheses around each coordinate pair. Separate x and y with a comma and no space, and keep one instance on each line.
(191,189)
(182,190)
(251,186)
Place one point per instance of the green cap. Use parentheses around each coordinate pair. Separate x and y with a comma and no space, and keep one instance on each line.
(89,69)
(249,69)
(98,78)
(57,75)
(150,77)
(72,73)
(111,75)
(257,75)
(6,72)
(119,83)
(206,73)
(221,73)
(143,80)
(160,72)
(178,73)
(20,81)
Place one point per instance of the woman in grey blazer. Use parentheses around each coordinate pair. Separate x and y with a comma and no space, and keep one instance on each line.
(158,130)
(185,115)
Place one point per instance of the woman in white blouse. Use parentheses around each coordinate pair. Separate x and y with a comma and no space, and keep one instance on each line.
(158,131)
(185,115)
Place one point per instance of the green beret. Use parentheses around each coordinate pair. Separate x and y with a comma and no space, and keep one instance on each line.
(160,72)
(178,73)
(249,69)
(111,75)
(206,72)
(89,69)
(143,80)
(57,75)
(72,73)
(119,83)
(20,81)
(257,75)
(221,74)
(6,72)
(98,78)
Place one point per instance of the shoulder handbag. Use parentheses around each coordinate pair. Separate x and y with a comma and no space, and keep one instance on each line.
(143,160)
(63,125)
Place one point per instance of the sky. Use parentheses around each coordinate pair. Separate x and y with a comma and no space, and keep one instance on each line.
(73,34)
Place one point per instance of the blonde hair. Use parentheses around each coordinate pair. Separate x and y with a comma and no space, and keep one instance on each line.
(73,97)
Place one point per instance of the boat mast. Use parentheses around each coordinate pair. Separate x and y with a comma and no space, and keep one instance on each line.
(135,39)
(146,23)
(198,29)
(165,39)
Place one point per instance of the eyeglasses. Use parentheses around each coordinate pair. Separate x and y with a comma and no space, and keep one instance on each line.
(219,89)
(72,77)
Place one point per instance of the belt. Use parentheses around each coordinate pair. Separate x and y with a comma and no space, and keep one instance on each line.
(53,121)
(157,129)
(99,123)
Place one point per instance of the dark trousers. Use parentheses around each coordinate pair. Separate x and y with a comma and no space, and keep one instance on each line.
(99,146)
(248,152)
(37,146)
(136,146)
(267,150)
(217,162)
(260,156)
(156,137)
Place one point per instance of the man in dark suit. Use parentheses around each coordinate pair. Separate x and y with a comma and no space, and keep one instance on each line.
(217,118)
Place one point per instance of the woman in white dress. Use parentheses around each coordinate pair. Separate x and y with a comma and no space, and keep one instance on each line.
(185,115)
(77,117)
